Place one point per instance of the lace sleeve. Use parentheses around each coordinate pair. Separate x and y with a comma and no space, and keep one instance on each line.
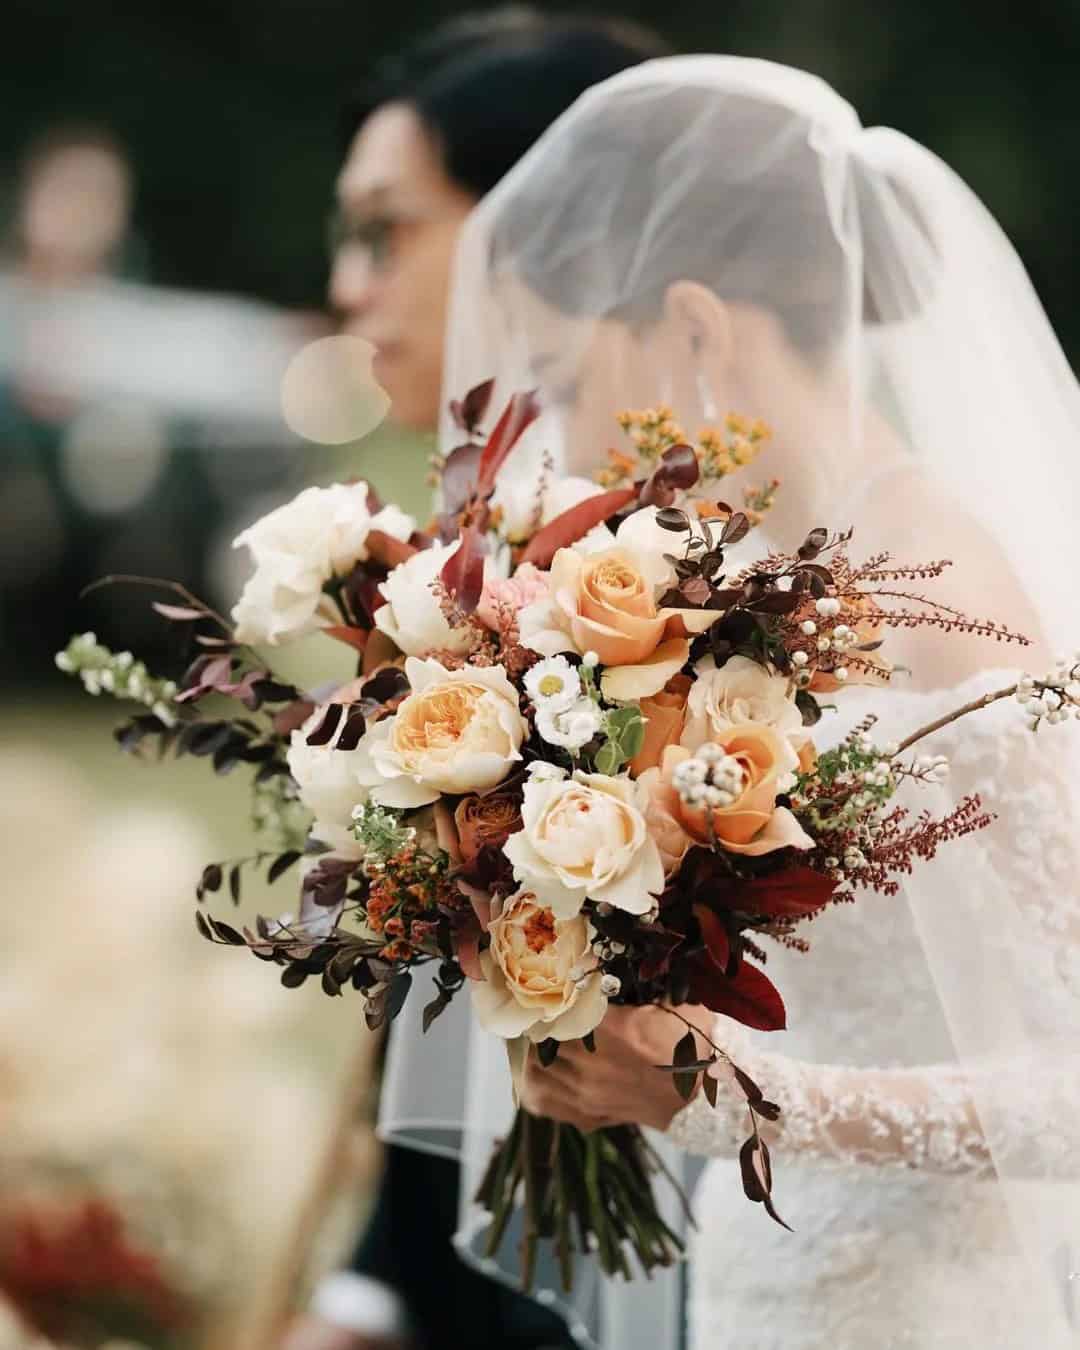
(910,1118)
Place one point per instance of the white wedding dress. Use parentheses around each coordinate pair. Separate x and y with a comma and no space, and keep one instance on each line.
(899,1240)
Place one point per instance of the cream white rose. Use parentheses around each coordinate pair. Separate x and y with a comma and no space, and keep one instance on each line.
(296,549)
(458,731)
(586,838)
(540,976)
(740,691)
(412,617)
(328,785)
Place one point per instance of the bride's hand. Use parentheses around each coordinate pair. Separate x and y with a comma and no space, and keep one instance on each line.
(618,1083)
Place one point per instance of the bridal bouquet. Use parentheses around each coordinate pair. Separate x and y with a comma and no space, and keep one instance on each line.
(576,767)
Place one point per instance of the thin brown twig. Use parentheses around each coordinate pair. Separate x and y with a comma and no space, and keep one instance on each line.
(974,706)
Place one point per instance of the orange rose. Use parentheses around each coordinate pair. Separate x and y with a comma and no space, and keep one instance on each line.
(665,718)
(604,603)
(752,823)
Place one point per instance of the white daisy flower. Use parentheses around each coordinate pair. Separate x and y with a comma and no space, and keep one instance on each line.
(553,684)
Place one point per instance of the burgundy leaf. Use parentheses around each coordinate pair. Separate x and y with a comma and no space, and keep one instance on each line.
(695,591)
(791,894)
(386,686)
(469,412)
(458,477)
(715,935)
(664,943)
(737,527)
(749,996)
(520,412)
(463,573)
(351,732)
(575,524)
(680,467)
(328,723)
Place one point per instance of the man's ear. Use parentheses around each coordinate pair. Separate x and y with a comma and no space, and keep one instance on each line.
(701,320)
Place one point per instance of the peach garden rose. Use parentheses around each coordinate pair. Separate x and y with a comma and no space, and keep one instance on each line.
(458,731)
(540,977)
(584,837)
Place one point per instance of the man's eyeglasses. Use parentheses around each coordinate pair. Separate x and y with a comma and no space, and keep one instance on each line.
(377,234)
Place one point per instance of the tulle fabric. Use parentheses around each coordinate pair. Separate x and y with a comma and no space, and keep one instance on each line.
(928,404)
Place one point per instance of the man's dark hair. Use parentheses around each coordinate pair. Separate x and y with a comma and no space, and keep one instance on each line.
(488,85)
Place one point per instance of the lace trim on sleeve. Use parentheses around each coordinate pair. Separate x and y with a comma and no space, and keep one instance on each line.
(907,1118)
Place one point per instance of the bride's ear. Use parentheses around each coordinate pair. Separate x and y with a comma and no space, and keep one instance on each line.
(700,319)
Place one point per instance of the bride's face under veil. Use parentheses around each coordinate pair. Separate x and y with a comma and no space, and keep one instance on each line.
(722,235)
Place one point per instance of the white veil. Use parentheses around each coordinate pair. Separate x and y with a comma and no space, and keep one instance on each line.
(941,382)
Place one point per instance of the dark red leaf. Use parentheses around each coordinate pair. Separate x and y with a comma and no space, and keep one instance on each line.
(463,573)
(323,734)
(695,591)
(678,470)
(737,527)
(386,685)
(657,963)
(792,893)
(351,732)
(469,412)
(520,412)
(749,996)
(458,477)
(715,935)
(575,524)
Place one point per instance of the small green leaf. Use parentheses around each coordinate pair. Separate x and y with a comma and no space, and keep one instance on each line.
(634,738)
(608,758)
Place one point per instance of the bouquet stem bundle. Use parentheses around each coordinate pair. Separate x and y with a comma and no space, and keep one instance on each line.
(589,1193)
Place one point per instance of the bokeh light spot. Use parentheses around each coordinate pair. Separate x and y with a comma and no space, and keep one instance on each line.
(329,394)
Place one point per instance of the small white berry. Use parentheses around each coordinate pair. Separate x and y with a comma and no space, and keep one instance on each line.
(809,627)
(590,659)
(823,644)
(841,673)
(799,659)
(610,985)
(828,607)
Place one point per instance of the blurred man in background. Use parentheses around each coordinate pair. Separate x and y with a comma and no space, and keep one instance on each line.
(431,133)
